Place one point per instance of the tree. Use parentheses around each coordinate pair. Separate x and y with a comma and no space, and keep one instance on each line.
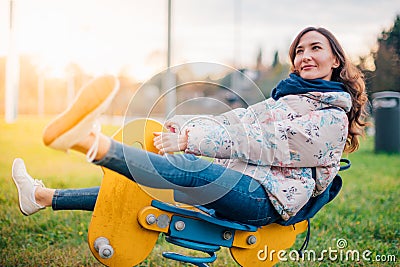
(276,62)
(387,60)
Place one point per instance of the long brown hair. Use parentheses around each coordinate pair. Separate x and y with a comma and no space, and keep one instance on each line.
(353,80)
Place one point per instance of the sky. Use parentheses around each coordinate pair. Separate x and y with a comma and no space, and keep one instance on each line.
(131,35)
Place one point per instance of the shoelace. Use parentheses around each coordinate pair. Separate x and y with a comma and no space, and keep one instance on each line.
(92,152)
(37,183)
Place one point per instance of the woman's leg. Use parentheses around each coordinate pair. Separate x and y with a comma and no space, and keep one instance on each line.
(197,180)
(67,199)
(75,199)
(34,196)
(211,185)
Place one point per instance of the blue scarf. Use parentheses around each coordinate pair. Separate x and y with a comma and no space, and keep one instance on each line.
(296,85)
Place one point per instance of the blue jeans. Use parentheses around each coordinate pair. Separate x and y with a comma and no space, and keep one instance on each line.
(75,199)
(194,180)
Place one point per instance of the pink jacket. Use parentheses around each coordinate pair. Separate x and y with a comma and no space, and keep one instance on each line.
(277,143)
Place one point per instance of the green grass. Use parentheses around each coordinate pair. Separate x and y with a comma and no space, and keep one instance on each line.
(365,214)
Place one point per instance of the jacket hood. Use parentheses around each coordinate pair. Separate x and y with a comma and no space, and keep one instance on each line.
(328,99)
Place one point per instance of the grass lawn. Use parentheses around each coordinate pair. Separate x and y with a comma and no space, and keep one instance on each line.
(365,215)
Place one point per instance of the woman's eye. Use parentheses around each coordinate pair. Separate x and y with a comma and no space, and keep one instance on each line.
(316,47)
(299,51)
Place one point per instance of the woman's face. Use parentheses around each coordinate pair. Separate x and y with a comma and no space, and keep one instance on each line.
(314,58)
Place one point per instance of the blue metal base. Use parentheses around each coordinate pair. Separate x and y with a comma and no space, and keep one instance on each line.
(198,261)
(201,232)
(205,217)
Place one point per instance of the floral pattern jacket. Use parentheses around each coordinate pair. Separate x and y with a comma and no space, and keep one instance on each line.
(277,142)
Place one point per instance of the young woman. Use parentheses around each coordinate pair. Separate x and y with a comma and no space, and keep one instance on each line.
(270,159)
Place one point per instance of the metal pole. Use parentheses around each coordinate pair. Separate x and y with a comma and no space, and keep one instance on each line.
(237,34)
(235,77)
(169,82)
(12,73)
(169,34)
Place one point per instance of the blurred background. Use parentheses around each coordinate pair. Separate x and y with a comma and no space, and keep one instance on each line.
(223,54)
(50,48)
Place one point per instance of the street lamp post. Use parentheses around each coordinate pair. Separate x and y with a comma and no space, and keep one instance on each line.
(169,79)
(12,73)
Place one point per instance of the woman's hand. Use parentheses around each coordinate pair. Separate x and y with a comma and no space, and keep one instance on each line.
(170,142)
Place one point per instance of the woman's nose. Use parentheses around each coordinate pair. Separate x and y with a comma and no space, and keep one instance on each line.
(306,56)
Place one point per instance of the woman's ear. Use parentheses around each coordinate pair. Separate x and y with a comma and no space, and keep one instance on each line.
(336,63)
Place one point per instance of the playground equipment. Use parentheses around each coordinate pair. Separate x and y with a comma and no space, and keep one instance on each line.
(128,219)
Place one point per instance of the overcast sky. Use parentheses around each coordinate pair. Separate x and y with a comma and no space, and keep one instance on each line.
(110,35)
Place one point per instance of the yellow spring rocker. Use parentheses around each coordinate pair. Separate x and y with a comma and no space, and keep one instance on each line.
(124,229)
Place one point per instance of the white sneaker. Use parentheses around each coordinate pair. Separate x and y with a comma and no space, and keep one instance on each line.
(76,122)
(26,186)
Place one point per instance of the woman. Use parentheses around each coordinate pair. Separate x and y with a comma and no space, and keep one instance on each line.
(271,158)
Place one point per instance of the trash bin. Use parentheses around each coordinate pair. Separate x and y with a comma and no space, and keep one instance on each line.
(386,106)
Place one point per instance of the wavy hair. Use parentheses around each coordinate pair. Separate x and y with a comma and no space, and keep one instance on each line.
(353,80)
